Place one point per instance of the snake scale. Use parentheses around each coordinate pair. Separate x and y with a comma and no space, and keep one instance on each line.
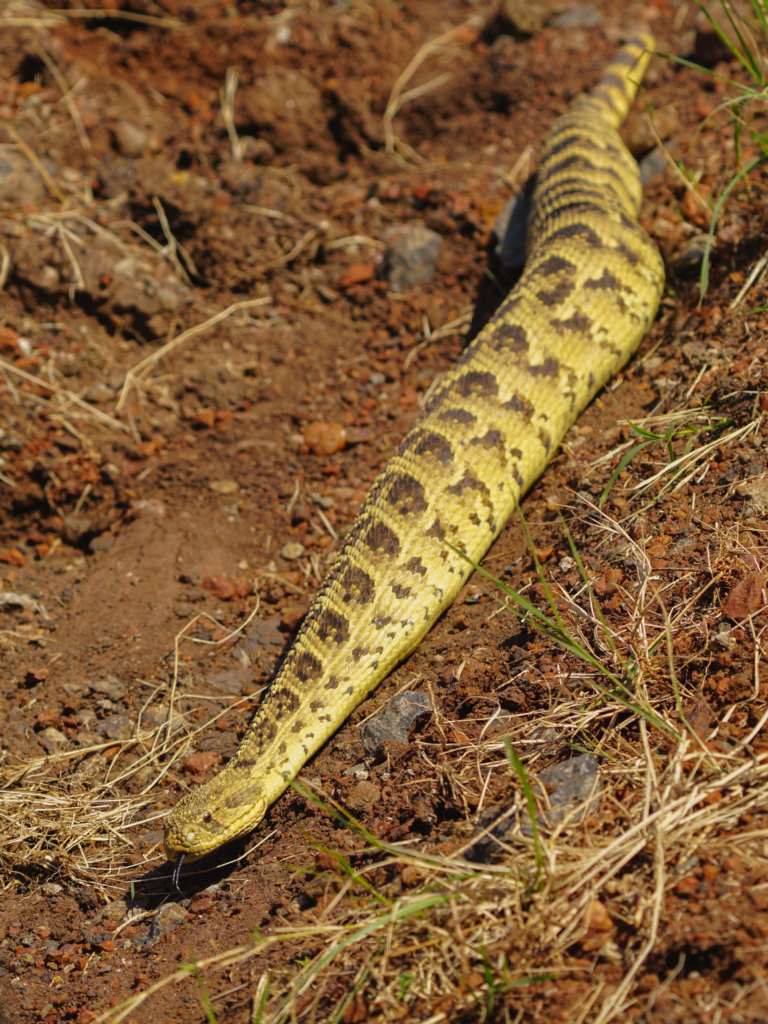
(587,296)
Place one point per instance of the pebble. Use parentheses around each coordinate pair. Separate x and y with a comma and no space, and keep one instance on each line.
(394,721)
(19,181)
(131,141)
(101,543)
(292,550)
(265,636)
(642,130)
(52,739)
(224,486)
(116,727)
(745,598)
(572,790)
(75,528)
(99,393)
(200,763)
(411,257)
(689,258)
(582,16)
(362,796)
(292,615)
(232,681)
(109,687)
(522,17)
(325,438)
(149,508)
(168,917)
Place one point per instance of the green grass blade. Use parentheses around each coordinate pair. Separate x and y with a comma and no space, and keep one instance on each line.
(704,278)
(519,770)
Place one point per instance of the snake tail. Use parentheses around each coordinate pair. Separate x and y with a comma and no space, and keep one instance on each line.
(586,298)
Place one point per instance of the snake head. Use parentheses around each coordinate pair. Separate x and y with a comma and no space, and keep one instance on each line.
(206,818)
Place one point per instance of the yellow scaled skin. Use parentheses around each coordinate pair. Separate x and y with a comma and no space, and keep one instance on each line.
(587,297)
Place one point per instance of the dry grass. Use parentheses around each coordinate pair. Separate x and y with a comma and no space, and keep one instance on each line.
(453,937)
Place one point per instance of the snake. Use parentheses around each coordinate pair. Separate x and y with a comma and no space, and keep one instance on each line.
(588,293)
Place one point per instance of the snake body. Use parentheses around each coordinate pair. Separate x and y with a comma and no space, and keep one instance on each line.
(587,296)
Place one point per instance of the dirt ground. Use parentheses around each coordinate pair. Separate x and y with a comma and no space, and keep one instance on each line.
(160,166)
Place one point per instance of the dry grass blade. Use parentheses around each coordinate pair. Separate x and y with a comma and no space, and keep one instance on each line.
(397,98)
(92,410)
(141,369)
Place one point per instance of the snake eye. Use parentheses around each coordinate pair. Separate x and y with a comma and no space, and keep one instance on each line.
(207,816)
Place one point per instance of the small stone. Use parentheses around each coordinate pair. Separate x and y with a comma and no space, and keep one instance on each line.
(362,796)
(573,789)
(394,721)
(745,598)
(690,255)
(101,544)
(200,763)
(641,130)
(116,727)
(358,273)
(411,257)
(75,528)
(522,17)
(99,393)
(224,486)
(325,438)
(52,888)
(19,180)
(292,615)
(292,550)
(221,587)
(597,918)
(168,917)
(151,508)
(131,141)
(581,16)
(108,687)
(52,739)
(233,681)
(265,636)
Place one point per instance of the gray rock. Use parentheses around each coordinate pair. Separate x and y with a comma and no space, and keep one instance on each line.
(656,161)
(510,229)
(573,791)
(101,544)
(689,258)
(52,739)
(522,17)
(234,681)
(98,393)
(116,727)
(76,528)
(19,180)
(411,257)
(131,141)
(157,714)
(580,16)
(265,636)
(109,687)
(394,721)
(86,738)
(168,917)
(565,793)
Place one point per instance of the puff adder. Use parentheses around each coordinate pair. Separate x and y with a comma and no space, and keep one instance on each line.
(587,296)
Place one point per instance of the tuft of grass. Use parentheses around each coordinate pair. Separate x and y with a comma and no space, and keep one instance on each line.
(747,104)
